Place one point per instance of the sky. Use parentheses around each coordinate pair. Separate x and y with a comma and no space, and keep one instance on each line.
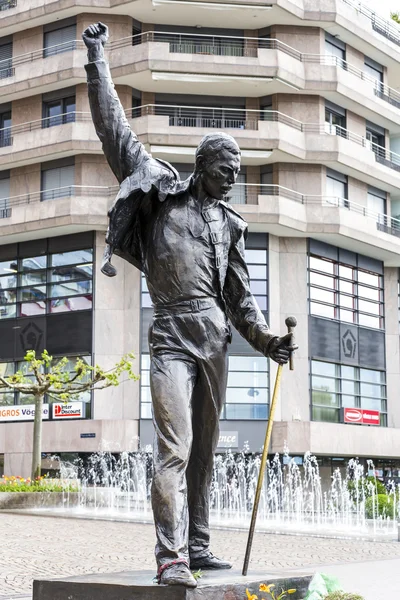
(383,7)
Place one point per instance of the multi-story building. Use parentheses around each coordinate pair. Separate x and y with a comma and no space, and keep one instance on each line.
(309,90)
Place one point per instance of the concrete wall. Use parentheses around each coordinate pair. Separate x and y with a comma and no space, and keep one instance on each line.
(391,279)
(116,332)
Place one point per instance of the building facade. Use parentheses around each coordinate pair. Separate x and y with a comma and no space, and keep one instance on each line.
(309,91)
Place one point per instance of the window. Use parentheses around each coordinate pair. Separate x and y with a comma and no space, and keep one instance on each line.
(247,394)
(5,129)
(336,50)
(345,292)
(376,203)
(335,119)
(336,187)
(6,52)
(52,283)
(12,398)
(4,195)
(58,112)
(59,40)
(336,386)
(375,136)
(57,182)
(373,69)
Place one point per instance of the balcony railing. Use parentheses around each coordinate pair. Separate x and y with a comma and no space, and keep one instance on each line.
(232,118)
(384,222)
(386,28)
(211,118)
(213,45)
(240,194)
(6,4)
(69,191)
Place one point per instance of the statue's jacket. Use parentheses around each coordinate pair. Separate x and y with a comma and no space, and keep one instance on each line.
(145,183)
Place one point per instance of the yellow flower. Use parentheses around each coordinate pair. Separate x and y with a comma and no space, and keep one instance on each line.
(266,588)
(291,591)
(251,596)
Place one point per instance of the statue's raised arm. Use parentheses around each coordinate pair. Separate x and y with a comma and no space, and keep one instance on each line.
(121,147)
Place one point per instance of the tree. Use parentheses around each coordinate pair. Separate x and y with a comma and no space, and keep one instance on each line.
(45,376)
(395,16)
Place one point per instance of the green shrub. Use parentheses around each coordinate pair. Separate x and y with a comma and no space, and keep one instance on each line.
(365,484)
(382,505)
(343,596)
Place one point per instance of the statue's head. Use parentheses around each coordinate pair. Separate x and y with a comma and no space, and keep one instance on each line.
(217,164)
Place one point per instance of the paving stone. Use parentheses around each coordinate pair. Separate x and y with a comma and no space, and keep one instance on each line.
(40,547)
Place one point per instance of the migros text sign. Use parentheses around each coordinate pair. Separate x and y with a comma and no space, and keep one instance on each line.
(23,412)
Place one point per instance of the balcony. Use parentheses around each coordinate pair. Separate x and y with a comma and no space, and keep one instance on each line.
(59,211)
(42,70)
(39,140)
(338,221)
(180,63)
(179,129)
(173,132)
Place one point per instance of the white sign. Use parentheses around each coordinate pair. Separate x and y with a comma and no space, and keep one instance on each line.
(68,410)
(22,412)
(228,439)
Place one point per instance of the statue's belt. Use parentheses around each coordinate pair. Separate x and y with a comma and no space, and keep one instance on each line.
(186,306)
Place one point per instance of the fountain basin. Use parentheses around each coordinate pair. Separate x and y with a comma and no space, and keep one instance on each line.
(32,500)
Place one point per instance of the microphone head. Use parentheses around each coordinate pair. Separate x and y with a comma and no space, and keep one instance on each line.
(291,322)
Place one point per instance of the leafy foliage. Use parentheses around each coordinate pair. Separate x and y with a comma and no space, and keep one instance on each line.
(19,484)
(382,505)
(368,486)
(395,16)
(45,375)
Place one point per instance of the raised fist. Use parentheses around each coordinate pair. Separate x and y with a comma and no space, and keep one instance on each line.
(95,34)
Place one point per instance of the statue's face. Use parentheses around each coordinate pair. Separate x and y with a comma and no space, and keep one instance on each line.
(219,177)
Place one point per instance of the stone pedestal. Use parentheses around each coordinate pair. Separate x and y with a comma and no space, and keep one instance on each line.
(139,585)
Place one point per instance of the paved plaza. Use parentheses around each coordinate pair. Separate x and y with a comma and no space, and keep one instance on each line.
(45,547)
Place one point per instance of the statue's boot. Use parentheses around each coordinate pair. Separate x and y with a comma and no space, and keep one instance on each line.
(178,574)
(209,561)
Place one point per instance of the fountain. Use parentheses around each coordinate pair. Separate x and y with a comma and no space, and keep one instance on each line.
(293,499)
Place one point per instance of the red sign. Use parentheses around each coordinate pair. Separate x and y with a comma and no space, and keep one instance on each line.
(70,410)
(361,416)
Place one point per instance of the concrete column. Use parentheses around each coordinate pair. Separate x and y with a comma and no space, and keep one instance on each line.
(92,169)
(357,191)
(355,57)
(116,332)
(27,40)
(250,45)
(293,294)
(25,110)
(391,277)
(253,178)
(82,98)
(274,308)
(147,98)
(307,109)
(303,39)
(355,123)
(25,180)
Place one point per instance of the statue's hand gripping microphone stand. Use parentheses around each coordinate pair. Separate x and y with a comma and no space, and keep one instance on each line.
(291,323)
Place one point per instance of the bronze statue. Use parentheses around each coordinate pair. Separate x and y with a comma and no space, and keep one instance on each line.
(189,243)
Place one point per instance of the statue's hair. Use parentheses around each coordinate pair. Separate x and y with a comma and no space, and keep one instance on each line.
(211,145)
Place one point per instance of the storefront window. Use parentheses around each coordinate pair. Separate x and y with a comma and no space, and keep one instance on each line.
(335,386)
